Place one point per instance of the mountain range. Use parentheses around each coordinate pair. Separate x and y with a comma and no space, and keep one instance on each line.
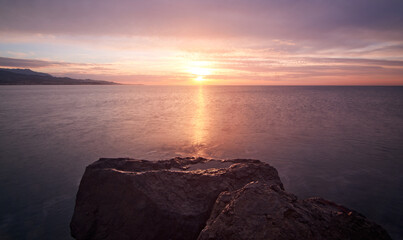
(10,76)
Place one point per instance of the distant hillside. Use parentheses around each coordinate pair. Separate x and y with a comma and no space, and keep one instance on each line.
(25,72)
(29,77)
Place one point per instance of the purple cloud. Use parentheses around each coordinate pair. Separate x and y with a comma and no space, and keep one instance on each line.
(274,19)
(26,63)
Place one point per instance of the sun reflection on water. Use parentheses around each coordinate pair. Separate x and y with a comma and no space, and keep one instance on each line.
(200,128)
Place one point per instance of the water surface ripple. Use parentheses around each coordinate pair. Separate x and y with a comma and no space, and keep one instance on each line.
(341,143)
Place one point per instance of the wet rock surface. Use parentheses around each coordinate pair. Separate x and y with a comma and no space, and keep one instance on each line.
(188,198)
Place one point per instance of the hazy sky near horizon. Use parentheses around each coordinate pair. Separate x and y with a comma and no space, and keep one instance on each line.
(286,42)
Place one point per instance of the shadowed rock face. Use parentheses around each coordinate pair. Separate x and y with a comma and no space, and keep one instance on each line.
(187,198)
(262,211)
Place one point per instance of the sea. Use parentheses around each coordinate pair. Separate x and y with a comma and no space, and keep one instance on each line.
(341,143)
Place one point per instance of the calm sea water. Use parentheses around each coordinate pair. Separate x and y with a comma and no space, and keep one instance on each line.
(341,143)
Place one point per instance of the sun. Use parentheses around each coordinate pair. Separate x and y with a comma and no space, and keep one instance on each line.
(200,70)
(199,79)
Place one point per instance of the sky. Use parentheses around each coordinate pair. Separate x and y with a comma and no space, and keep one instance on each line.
(221,42)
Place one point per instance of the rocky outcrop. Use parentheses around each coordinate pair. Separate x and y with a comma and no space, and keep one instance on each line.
(187,198)
(262,211)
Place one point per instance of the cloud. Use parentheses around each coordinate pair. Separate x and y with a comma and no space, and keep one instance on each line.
(35,63)
(303,64)
(103,30)
(107,71)
(310,70)
(244,70)
(274,19)
(62,69)
(27,63)
(130,78)
(361,61)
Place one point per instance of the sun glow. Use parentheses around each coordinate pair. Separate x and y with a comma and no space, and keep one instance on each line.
(201,69)
(199,79)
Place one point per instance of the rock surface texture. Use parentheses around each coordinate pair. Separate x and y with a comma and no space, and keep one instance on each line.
(188,198)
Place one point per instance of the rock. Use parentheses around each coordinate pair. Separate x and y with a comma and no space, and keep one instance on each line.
(262,211)
(188,198)
(132,199)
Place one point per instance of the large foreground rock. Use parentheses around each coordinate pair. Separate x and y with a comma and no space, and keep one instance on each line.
(187,198)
